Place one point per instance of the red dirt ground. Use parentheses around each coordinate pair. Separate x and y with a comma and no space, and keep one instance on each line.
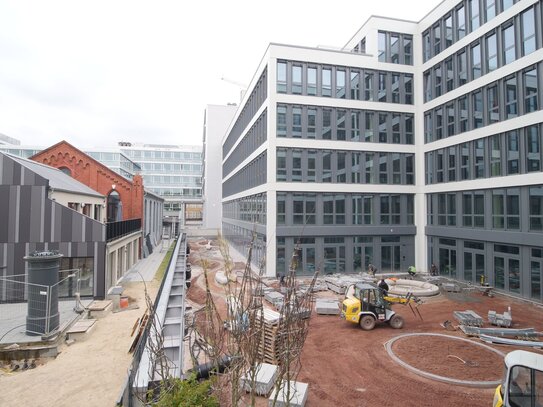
(346,366)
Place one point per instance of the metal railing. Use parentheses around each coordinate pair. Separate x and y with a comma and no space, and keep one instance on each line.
(19,299)
(128,397)
(114,230)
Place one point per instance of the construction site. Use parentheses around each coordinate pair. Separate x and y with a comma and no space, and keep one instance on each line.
(450,348)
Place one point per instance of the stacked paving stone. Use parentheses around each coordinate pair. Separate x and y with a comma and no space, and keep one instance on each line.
(264,380)
(339,284)
(468,318)
(324,306)
(297,396)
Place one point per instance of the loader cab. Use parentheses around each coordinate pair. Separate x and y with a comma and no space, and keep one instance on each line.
(522,381)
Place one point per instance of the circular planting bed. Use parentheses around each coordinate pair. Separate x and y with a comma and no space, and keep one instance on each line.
(448,359)
(418,288)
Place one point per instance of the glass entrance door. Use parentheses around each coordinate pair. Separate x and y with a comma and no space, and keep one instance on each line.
(390,259)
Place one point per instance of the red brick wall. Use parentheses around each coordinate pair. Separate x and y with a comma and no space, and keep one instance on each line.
(97,176)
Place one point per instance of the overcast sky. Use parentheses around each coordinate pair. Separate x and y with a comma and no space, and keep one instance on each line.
(98,72)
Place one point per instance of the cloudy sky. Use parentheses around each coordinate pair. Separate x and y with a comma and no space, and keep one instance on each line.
(98,72)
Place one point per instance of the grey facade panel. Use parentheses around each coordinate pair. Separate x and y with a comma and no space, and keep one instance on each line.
(7,170)
(4,212)
(88,230)
(514,238)
(25,199)
(47,219)
(37,200)
(77,227)
(13,213)
(100,268)
(353,231)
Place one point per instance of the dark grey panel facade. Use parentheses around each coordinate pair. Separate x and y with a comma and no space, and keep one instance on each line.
(31,221)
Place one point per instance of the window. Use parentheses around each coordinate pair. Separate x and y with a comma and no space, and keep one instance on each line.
(396,169)
(355,85)
(297,122)
(296,166)
(355,168)
(437,38)
(326,166)
(479,158)
(437,80)
(341,176)
(326,82)
(368,169)
(474,14)
(427,80)
(303,209)
(495,156)
(498,209)
(463,113)
(382,90)
(340,84)
(448,31)
(512,152)
(383,132)
(395,88)
(408,128)
(381,46)
(395,48)
(281,77)
(508,39)
(281,165)
(385,210)
(311,81)
(452,164)
(467,210)
(383,172)
(528,32)
(355,125)
(511,109)
(440,166)
(449,71)
(368,127)
(513,211)
(460,22)
(491,52)
(451,117)
(530,89)
(311,122)
(493,104)
(408,49)
(536,208)
(465,161)
(296,79)
(490,9)
(475,61)
(311,166)
(368,86)
(340,124)
(477,98)
(428,136)
(281,208)
(281,121)
(326,124)
(427,52)
(533,147)
(396,135)
(409,169)
(328,209)
(462,66)
(439,123)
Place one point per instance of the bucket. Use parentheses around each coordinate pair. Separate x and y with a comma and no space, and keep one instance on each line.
(124,302)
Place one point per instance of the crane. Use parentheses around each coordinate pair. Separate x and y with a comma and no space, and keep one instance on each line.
(243,87)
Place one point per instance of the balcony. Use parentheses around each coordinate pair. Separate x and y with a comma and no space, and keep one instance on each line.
(115,230)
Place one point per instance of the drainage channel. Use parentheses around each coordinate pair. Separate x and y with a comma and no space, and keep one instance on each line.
(170,315)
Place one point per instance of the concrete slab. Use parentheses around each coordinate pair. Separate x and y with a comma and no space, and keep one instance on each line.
(326,306)
(80,330)
(266,374)
(297,395)
(100,308)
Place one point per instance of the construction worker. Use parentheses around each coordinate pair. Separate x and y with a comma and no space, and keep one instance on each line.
(371,269)
(433,270)
(412,271)
(383,286)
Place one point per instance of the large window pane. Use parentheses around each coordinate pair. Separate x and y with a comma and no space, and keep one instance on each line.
(492,52)
(528,32)
(536,208)
(530,89)
(476,61)
(297,79)
(281,77)
(508,39)
(326,82)
(311,81)
(533,147)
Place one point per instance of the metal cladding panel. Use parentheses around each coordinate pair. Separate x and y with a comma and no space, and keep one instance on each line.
(25,210)
(36,213)
(19,252)
(100,269)
(66,221)
(7,171)
(4,212)
(89,227)
(17,174)
(77,227)
(47,219)
(13,210)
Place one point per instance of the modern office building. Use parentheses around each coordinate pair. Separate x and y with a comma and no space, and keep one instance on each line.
(216,120)
(417,143)
(173,172)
